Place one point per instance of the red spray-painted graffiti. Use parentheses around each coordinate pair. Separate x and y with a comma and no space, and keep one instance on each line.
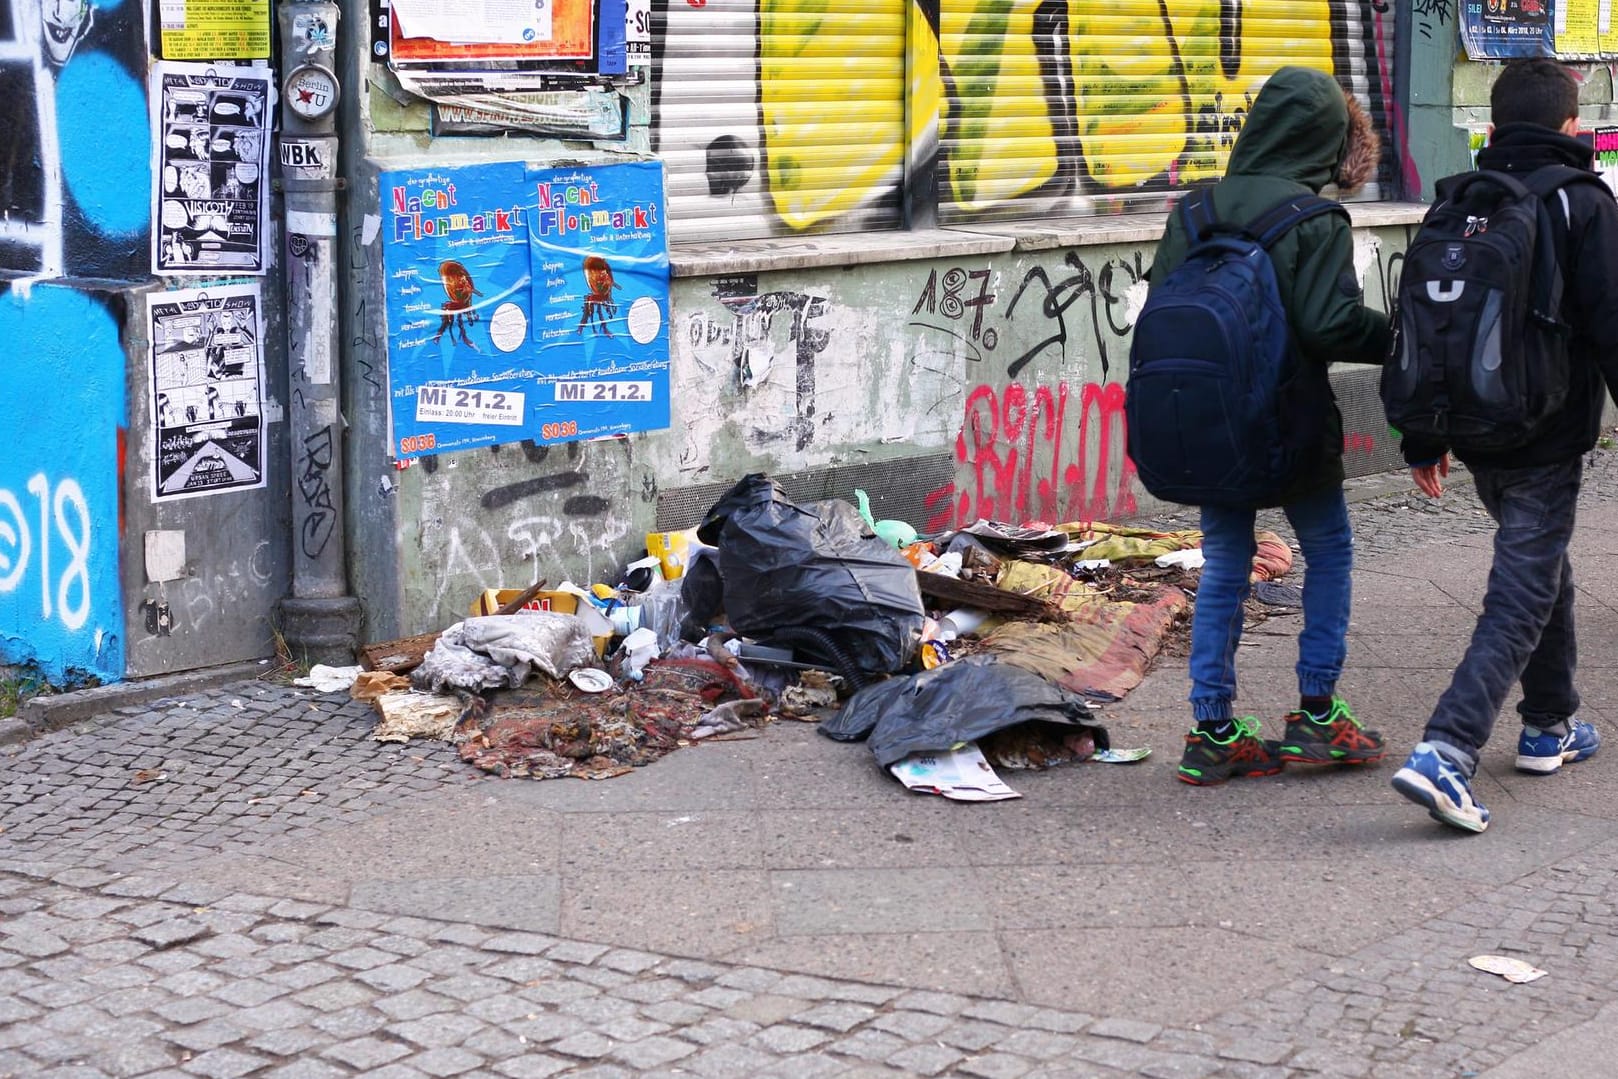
(1019,458)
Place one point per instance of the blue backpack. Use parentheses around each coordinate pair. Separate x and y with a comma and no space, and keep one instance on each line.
(1214,392)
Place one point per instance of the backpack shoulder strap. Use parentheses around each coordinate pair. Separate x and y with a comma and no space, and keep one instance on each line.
(1275,222)
(1197,215)
(1551,178)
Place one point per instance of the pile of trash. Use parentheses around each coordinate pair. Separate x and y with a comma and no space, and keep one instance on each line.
(948,655)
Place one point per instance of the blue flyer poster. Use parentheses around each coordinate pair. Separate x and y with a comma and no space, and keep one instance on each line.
(525,304)
(1505,29)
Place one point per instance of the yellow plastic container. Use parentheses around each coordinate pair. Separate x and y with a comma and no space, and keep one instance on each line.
(671,550)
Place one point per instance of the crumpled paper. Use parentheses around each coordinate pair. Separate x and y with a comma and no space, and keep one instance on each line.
(324,679)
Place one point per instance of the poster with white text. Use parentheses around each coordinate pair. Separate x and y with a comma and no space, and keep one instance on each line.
(207,391)
(211,130)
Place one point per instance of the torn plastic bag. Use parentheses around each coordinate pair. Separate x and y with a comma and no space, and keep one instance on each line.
(813,576)
(959,702)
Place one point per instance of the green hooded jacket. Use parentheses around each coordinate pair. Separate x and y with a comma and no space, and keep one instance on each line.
(1296,136)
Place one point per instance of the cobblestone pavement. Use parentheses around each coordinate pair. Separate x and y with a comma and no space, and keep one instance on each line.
(115,961)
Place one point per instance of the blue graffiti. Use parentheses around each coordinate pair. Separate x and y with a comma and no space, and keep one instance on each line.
(106,159)
(61,607)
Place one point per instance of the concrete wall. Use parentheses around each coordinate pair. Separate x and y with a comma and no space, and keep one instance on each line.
(987,378)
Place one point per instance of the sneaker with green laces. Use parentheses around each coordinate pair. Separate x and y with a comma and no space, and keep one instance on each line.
(1335,738)
(1208,761)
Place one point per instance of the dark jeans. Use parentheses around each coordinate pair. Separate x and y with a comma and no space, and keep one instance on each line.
(1525,632)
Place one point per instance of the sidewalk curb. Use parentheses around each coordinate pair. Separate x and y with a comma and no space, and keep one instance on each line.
(42,715)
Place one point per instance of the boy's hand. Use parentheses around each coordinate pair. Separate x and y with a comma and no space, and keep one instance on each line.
(1430,477)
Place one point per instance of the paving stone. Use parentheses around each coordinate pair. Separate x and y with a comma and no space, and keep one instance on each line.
(1256,1051)
(840,1017)
(534,1066)
(1127,1029)
(366,1053)
(437,1030)
(782,1038)
(576,952)
(446,1061)
(653,1052)
(212,1034)
(911,1026)
(225,1064)
(926,1059)
(171,933)
(995,1066)
(307,1069)
(587,1045)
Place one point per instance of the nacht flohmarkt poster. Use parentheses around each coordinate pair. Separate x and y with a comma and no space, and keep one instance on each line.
(525,303)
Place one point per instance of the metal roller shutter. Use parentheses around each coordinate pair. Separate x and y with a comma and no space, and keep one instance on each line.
(780,116)
(1108,106)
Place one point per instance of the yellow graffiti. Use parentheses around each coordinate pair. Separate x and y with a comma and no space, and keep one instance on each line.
(1017,97)
(999,134)
(1150,96)
(833,104)
(1154,99)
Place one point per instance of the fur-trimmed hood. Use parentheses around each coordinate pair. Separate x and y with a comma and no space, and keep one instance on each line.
(1304,128)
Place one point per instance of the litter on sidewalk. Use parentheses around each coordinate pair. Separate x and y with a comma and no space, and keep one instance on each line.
(951,655)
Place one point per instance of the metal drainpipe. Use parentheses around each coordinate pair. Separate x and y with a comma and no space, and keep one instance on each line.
(320,620)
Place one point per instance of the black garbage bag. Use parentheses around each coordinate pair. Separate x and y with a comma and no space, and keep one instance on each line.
(961,701)
(813,576)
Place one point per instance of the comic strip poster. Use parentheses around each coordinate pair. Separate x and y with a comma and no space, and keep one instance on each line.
(525,304)
(211,128)
(214,29)
(1504,29)
(207,391)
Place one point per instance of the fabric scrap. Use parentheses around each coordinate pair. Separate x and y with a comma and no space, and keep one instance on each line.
(1103,652)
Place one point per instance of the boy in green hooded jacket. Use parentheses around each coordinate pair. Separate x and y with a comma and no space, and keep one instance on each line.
(1301,134)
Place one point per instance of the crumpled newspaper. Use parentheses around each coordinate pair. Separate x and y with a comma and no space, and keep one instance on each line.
(502,650)
(324,679)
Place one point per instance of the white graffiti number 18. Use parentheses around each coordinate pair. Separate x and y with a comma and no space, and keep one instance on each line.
(72,599)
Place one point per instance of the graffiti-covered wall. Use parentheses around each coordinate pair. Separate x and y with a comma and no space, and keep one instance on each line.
(788,116)
(61,609)
(984,385)
(74,156)
(74,211)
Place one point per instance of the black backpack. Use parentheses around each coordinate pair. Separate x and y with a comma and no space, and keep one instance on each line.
(1216,403)
(1479,359)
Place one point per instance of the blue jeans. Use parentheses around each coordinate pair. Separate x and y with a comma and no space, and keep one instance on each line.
(1525,633)
(1320,521)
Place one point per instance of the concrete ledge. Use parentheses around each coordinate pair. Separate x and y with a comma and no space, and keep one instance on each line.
(864,248)
(853,249)
(40,715)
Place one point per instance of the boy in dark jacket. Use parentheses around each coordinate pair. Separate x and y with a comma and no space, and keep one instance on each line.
(1301,134)
(1526,629)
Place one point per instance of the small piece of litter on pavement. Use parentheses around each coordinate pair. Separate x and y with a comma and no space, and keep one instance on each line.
(326,679)
(1122,756)
(1512,970)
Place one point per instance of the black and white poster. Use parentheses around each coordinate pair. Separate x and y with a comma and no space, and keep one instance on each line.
(207,391)
(212,134)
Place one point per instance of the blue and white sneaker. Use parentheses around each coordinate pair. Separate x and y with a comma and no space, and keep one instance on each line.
(1541,754)
(1428,778)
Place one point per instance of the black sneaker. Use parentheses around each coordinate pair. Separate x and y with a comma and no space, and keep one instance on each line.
(1208,760)
(1335,738)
